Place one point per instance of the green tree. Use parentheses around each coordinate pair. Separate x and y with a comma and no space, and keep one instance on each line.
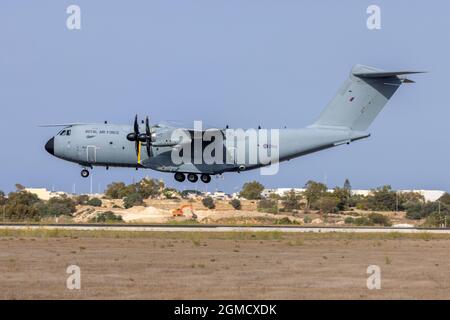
(22,206)
(19,187)
(2,198)
(149,188)
(236,204)
(106,217)
(343,196)
(378,218)
(57,206)
(314,191)
(267,205)
(382,199)
(445,198)
(347,186)
(252,190)
(117,190)
(291,201)
(95,202)
(82,199)
(133,199)
(208,202)
(327,204)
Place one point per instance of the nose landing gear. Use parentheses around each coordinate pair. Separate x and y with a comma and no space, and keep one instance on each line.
(84,173)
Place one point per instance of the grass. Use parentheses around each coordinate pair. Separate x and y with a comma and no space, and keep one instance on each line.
(294,239)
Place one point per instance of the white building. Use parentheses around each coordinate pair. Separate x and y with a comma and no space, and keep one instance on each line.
(44,194)
(429,195)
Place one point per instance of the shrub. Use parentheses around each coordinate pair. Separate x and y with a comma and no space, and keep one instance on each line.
(208,202)
(269,206)
(349,220)
(134,199)
(307,219)
(378,218)
(95,202)
(236,204)
(362,221)
(57,206)
(107,216)
(327,204)
(291,202)
(81,199)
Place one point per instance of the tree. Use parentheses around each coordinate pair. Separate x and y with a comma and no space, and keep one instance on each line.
(252,190)
(19,187)
(133,199)
(314,190)
(405,199)
(2,198)
(57,206)
(327,204)
(382,199)
(236,204)
(117,190)
(149,188)
(95,202)
(378,218)
(445,198)
(347,186)
(291,202)
(267,205)
(22,206)
(343,196)
(81,199)
(208,202)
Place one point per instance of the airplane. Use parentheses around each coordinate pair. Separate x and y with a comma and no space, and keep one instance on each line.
(345,119)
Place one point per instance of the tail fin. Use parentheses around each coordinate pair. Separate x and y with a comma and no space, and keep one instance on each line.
(361,97)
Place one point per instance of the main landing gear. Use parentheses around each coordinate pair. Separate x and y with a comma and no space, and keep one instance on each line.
(192,177)
(84,173)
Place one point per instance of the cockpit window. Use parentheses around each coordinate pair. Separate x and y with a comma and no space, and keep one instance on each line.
(68,132)
(63,133)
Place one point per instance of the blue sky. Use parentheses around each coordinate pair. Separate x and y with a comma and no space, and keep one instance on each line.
(241,63)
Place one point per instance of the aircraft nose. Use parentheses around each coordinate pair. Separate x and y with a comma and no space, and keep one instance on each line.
(50,146)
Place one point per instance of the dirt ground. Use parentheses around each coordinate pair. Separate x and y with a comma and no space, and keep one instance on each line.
(199,266)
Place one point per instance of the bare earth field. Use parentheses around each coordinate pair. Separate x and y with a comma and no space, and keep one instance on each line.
(223,266)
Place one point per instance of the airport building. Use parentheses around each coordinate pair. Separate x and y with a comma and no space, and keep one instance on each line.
(429,195)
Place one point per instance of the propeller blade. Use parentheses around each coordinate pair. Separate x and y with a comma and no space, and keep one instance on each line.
(136,126)
(147,127)
(136,145)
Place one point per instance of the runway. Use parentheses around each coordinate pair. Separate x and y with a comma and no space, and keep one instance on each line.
(219,228)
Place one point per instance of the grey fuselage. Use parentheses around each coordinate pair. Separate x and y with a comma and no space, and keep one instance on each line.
(106,145)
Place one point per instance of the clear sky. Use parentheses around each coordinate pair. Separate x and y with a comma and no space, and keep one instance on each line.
(242,63)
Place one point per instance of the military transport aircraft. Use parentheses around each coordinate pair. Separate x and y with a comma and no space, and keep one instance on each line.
(345,119)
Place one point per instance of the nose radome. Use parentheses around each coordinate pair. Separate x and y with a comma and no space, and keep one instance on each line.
(50,146)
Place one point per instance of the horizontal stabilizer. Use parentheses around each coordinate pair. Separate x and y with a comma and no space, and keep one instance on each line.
(384,74)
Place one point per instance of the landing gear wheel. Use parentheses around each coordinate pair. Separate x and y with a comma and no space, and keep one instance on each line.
(84,173)
(192,177)
(179,176)
(206,178)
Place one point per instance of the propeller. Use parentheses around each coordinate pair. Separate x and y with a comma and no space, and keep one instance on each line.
(138,137)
